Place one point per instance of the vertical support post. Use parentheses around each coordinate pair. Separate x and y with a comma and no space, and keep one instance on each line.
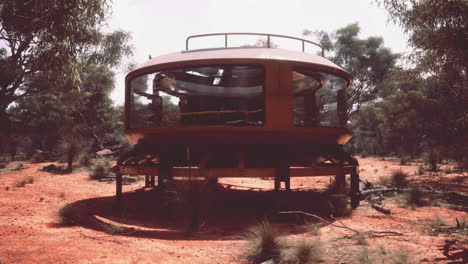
(147,184)
(340,180)
(164,171)
(277,183)
(152,180)
(303,46)
(268,42)
(118,187)
(354,190)
(225,41)
(283,175)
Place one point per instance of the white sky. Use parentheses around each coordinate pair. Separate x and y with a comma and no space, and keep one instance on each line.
(161,26)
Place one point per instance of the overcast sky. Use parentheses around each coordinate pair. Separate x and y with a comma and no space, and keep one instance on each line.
(161,26)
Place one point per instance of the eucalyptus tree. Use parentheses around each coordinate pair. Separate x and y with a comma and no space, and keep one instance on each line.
(367,60)
(45,38)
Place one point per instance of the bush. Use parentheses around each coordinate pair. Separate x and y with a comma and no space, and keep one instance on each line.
(24,181)
(421,170)
(100,169)
(399,179)
(263,243)
(404,161)
(68,215)
(39,156)
(20,183)
(416,198)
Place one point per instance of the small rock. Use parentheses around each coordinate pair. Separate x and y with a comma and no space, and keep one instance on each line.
(104,152)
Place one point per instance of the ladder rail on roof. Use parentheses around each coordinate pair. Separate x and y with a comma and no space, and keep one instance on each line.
(253,34)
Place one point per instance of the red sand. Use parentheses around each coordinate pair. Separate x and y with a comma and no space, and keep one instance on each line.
(29,230)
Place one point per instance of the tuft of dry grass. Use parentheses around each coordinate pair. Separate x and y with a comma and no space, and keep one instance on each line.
(304,252)
(416,198)
(263,243)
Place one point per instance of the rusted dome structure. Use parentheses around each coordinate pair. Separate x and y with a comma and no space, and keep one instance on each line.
(238,112)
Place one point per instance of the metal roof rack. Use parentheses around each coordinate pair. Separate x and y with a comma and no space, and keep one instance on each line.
(250,34)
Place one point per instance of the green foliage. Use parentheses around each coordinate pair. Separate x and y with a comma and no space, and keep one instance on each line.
(367,60)
(100,169)
(71,78)
(437,32)
(44,38)
(263,243)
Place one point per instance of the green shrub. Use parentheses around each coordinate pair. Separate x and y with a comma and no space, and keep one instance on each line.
(68,215)
(100,169)
(263,243)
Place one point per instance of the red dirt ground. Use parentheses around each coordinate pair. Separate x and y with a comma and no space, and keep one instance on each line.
(30,233)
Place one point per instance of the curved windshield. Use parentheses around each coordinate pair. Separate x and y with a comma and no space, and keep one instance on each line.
(228,95)
(319,99)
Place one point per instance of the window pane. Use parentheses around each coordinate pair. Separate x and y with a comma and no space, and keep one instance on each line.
(319,99)
(227,95)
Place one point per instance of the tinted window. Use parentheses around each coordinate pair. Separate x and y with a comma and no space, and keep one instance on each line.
(319,99)
(227,95)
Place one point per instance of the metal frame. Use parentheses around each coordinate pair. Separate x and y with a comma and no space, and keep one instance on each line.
(253,34)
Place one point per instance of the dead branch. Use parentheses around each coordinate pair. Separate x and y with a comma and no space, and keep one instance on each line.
(101,238)
(356,232)
(381,209)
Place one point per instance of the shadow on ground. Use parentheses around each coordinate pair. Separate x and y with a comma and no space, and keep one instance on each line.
(223,214)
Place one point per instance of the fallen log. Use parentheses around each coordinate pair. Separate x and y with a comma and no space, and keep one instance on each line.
(381,209)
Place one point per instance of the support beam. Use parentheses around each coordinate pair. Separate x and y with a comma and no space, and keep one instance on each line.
(354,190)
(118,187)
(340,181)
(164,171)
(147,184)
